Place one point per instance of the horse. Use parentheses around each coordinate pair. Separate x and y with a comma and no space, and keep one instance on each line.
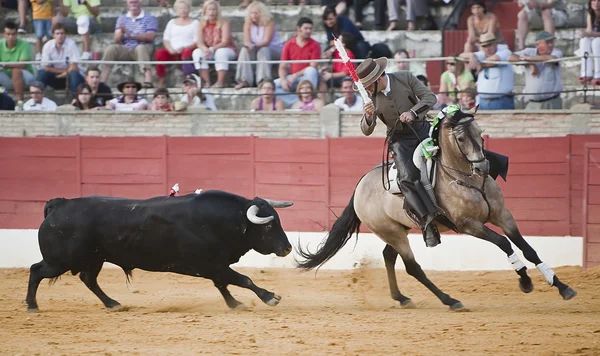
(466,193)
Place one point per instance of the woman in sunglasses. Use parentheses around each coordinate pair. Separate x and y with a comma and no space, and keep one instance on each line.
(454,80)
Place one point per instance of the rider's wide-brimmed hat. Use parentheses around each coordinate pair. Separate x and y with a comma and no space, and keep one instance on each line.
(370,70)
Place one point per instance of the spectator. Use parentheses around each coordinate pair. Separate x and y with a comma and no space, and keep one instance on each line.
(495,82)
(42,13)
(307,99)
(332,75)
(550,12)
(267,100)
(21,6)
(261,42)
(542,79)
(59,75)
(380,12)
(129,101)
(399,59)
(349,101)
(179,41)
(454,80)
(590,43)
(83,99)
(299,47)
(423,79)
(336,25)
(80,16)
(101,93)
(134,40)
(12,49)
(466,99)
(214,42)
(416,9)
(6,102)
(38,101)
(194,94)
(161,101)
(479,22)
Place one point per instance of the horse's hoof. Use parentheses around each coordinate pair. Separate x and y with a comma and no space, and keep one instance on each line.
(526,288)
(33,310)
(408,304)
(273,302)
(568,293)
(458,307)
(115,307)
(240,307)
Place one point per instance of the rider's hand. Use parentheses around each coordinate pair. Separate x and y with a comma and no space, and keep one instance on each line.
(407,117)
(369,109)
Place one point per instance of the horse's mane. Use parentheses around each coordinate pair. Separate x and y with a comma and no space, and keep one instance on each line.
(452,121)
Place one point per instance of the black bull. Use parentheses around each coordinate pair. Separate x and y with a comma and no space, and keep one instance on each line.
(197,235)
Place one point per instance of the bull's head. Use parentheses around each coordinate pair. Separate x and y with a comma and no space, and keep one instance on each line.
(266,232)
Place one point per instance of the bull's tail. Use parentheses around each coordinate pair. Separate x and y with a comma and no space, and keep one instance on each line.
(341,231)
(51,204)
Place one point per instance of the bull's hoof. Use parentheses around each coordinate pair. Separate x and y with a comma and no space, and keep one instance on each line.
(273,302)
(568,293)
(526,287)
(33,310)
(408,304)
(458,307)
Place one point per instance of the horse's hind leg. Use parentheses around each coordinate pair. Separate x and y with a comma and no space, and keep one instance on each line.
(37,273)
(507,223)
(389,256)
(89,276)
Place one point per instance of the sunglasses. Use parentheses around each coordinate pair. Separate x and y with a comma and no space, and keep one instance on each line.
(451,64)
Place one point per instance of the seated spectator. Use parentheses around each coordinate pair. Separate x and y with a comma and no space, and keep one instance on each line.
(261,42)
(416,9)
(590,43)
(214,43)
(399,63)
(466,99)
(349,100)
(38,101)
(454,80)
(83,99)
(332,75)
(161,101)
(267,100)
(542,78)
(101,93)
(12,49)
(21,6)
(550,12)
(6,102)
(307,99)
(194,94)
(480,21)
(179,41)
(42,13)
(81,17)
(299,47)
(495,82)
(61,48)
(129,101)
(134,40)
(336,25)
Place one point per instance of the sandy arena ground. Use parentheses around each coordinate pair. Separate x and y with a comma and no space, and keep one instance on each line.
(338,313)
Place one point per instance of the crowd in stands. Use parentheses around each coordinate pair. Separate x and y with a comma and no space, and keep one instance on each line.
(306,86)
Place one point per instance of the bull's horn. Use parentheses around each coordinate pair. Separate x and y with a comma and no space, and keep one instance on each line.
(279,204)
(251,215)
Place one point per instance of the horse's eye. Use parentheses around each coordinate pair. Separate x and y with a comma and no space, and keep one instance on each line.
(461,140)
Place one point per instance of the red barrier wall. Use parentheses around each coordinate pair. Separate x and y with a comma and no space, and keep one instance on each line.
(544,189)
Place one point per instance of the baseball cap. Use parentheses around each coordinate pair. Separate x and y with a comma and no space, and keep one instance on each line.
(190,78)
(83,24)
(544,36)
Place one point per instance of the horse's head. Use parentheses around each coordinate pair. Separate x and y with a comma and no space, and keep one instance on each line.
(462,136)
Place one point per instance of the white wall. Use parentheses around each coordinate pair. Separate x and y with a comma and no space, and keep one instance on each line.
(19,248)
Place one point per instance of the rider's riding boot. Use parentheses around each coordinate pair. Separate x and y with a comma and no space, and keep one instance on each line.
(415,198)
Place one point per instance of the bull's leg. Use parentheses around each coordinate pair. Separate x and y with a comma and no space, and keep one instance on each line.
(89,276)
(479,230)
(389,256)
(232,277)
(507,223)
(37,272)
(229,299)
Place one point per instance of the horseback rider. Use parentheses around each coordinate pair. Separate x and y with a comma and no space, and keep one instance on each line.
(401,102)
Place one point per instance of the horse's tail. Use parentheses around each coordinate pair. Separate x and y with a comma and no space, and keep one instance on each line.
(342,230)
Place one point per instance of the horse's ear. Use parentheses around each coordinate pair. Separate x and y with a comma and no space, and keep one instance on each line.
(473,111)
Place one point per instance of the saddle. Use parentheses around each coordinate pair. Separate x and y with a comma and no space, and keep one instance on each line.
(424,163)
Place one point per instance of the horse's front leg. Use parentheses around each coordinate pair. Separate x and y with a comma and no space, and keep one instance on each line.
(507,223)
(478,229)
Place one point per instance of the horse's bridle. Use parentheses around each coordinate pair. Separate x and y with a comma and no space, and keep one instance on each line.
(473,141)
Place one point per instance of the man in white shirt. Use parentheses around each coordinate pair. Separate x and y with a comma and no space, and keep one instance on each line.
(129,101)
(349,101)
(194,95)
(495,82)
(60,48)
(38,101)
